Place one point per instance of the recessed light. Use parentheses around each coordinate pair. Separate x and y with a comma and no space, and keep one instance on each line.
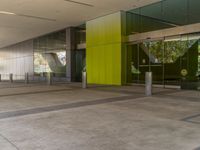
(27,16)
(36,17)
(80,3)
(7,13)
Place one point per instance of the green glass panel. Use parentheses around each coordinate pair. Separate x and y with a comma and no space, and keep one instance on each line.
(174,12)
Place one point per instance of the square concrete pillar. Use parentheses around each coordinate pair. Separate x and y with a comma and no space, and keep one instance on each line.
(70,54)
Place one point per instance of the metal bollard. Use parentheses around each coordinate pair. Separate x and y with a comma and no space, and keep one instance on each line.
(26,78)
(84,80)
(11,77)
(148,83)
(49,78)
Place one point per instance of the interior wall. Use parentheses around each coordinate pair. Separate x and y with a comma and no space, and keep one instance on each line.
(17,59)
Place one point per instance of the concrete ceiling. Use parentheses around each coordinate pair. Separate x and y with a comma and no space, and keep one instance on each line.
(32,18)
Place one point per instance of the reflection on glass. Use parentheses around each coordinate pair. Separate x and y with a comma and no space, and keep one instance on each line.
(156,60)
(62,57)
(40,64)
(50,54)
(174,50)
(80,56)
(173,61)
(199,61)
(50,62)
(134,70)
(163,14)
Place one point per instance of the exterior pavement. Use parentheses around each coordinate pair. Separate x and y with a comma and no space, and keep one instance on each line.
(66,117)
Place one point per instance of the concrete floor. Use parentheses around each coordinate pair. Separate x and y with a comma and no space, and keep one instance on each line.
(66,117)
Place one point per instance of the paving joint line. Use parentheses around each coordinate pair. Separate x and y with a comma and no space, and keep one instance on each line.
(36,92)
(39,110)
(191,99)
(189,119)
(11,143)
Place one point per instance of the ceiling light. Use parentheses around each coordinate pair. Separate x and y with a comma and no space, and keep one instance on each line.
(36,17)
(80,3)
(27,16)
(7,13)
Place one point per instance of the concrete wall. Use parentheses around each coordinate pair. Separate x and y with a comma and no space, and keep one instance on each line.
(17,59)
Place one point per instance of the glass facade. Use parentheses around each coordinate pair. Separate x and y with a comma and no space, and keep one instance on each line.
(80,53)
(17,60)
(50,54)
(162,15)
(80,63)
(172,60)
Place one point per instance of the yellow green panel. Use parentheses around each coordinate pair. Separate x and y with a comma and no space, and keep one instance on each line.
(104,50)
(104,64)
(104,30)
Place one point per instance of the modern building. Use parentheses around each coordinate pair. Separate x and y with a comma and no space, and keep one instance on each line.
(115,47)
(49,47)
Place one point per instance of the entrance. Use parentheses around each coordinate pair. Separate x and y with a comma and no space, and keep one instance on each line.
(173,61)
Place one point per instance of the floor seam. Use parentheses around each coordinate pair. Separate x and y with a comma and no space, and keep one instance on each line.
(36,92)
(11,143)
(38,110)
(191,99)
(189,119)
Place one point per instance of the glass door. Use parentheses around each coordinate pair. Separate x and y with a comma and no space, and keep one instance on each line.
(80,56)
(147,56)
(156,56)
(144,60)
(173,50)
(173,61)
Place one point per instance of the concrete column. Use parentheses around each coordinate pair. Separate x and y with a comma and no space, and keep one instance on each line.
(148,83)
(11,77)
(26,78)
(70,54)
